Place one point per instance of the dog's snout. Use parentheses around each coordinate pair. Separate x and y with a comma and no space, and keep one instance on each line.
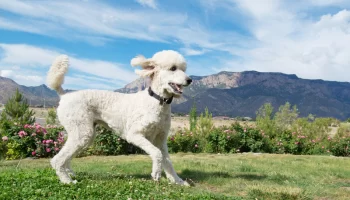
(189,81)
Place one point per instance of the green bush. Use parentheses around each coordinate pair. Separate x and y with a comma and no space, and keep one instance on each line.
(340,145)
(51,116)
(17,111)
(31,141)
(108,143)
(184,141)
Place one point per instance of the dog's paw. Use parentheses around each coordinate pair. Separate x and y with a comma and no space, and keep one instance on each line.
(156,176)
(185,183)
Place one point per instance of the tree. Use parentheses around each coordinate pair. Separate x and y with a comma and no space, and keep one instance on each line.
(193,117)
(286,116)
(205,123)
(264,119)
(17,110)
(51,116)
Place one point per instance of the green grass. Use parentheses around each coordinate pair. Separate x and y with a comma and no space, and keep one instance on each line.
(238,176)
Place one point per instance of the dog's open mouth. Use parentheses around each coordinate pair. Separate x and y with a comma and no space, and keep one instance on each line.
(176,87)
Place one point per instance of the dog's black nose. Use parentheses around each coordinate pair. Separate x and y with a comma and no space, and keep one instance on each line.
(189,81)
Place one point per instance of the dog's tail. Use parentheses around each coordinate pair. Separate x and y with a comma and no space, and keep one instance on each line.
(55,76)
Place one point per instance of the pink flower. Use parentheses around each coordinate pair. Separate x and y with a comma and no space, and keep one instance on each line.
(22,134)
(322,147)
(313,141)
(328,151)
(245,130)
(228,137)
(329,138)
(196,145)
(172,138)
(26,126)
(5,138)
(33,153)
(33,134)
(48,150)
(226,131)
(60,134)
(296,143)
(57,149)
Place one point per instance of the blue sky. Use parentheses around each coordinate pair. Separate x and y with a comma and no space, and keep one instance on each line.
(309,38)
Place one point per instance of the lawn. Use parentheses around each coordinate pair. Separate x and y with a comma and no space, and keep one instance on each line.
(233,176)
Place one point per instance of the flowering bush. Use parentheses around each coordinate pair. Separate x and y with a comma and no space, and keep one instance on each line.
(239,139)
(185,141)
(341,146)
(109,143)
(32,141)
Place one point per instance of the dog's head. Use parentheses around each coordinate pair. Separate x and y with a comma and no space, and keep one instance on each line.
(166,70)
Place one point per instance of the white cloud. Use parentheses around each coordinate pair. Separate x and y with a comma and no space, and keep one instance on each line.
(21,77)
(84,21)
(31,64)
(193,52)
(6,73)
(149,3)
(289,41)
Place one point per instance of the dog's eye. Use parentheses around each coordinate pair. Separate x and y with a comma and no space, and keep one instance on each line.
(173,68)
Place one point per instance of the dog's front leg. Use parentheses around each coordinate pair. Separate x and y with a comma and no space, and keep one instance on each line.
(156,155)
(168,166)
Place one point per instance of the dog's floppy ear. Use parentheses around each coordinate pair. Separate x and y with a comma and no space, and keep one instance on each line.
(146,64)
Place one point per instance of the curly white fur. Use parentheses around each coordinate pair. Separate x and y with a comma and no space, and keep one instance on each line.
(138,118)
(55,76)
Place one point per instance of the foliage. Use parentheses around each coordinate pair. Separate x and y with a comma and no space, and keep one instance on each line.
(184,141)
(193,117)
(205,123)
(51,116)
(286,116)
(32,141)
(108,142)
(264,119)
(17,111)
(341,145)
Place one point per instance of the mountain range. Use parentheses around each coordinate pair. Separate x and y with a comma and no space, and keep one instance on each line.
(231,94)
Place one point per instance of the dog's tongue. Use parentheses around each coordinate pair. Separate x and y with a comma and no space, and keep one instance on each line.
(178,88)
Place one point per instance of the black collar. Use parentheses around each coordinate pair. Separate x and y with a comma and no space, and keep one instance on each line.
(161,100)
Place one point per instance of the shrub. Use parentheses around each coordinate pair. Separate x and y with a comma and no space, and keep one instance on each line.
(193,117)
(264,120)
(51,116)
(33,141)
(184,141)
(108,143)
(205,123)
(340,145)
(17,111)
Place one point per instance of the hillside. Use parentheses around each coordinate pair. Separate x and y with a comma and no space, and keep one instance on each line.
(242,93)
(230,94)
(36,96)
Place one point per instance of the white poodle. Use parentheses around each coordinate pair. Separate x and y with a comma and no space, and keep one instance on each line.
(142,119)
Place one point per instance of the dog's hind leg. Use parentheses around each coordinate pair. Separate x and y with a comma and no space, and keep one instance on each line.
(68,163)
(79,137)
